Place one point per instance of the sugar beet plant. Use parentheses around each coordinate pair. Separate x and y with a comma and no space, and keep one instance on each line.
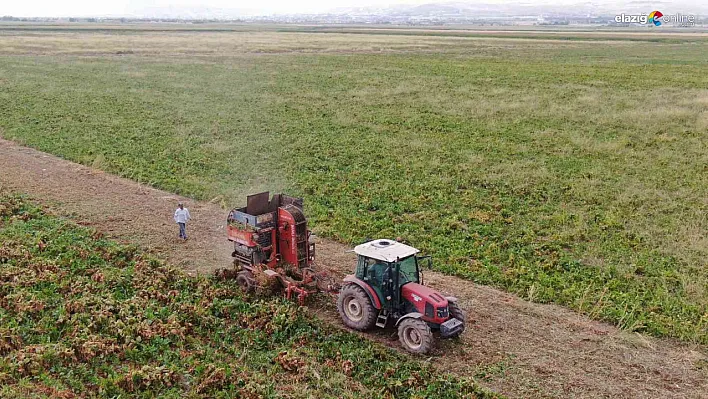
(83,316)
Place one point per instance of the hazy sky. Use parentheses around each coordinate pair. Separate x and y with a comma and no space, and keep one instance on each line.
(62,8)
(28,8)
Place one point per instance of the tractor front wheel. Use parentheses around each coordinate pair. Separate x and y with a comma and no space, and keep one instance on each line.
(415,335)
(457,313)
(355,308)
(246,281)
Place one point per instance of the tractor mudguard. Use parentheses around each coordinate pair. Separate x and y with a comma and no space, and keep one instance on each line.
(414,315)
(451,299)
(367,288)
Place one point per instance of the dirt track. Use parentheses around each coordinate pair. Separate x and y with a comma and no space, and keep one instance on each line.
(515,347)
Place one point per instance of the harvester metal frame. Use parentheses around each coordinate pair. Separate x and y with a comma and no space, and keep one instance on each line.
(273,244)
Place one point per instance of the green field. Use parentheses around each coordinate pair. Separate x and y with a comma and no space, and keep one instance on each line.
(82,315)
(568,171)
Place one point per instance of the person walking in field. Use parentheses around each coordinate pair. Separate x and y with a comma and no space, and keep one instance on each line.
(181,218)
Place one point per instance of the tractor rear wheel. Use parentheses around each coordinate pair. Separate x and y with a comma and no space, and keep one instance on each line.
(457,313)
(355,308)
(246,281)
(415,335)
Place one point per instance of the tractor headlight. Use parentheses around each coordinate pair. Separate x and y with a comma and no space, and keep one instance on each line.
(443,312)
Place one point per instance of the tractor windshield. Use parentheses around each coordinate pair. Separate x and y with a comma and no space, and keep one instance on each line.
(408,270)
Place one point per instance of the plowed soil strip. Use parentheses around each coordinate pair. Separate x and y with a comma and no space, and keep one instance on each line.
(515,347)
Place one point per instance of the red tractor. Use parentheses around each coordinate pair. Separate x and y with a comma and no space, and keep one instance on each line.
(387,286)
(273,248)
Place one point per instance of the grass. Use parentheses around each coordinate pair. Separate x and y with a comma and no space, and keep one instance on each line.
(83,316)
(563,171)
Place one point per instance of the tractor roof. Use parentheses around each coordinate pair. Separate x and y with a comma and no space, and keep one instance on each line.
(385,250)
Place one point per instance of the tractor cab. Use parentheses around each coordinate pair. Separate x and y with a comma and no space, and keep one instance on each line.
(386,266)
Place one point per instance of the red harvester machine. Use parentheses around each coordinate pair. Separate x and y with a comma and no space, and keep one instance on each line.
(272,244)
(274,248)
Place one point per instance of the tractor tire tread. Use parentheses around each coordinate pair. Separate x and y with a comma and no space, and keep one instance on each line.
(370,313)
(459,314)
(427,339)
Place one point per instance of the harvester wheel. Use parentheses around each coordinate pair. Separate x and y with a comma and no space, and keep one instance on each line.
(355,308)
(415,335)
(246,281)
(459,314)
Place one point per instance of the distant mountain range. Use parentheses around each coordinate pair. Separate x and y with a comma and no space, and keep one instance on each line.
(454,9)
(436,11)
(524,8)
